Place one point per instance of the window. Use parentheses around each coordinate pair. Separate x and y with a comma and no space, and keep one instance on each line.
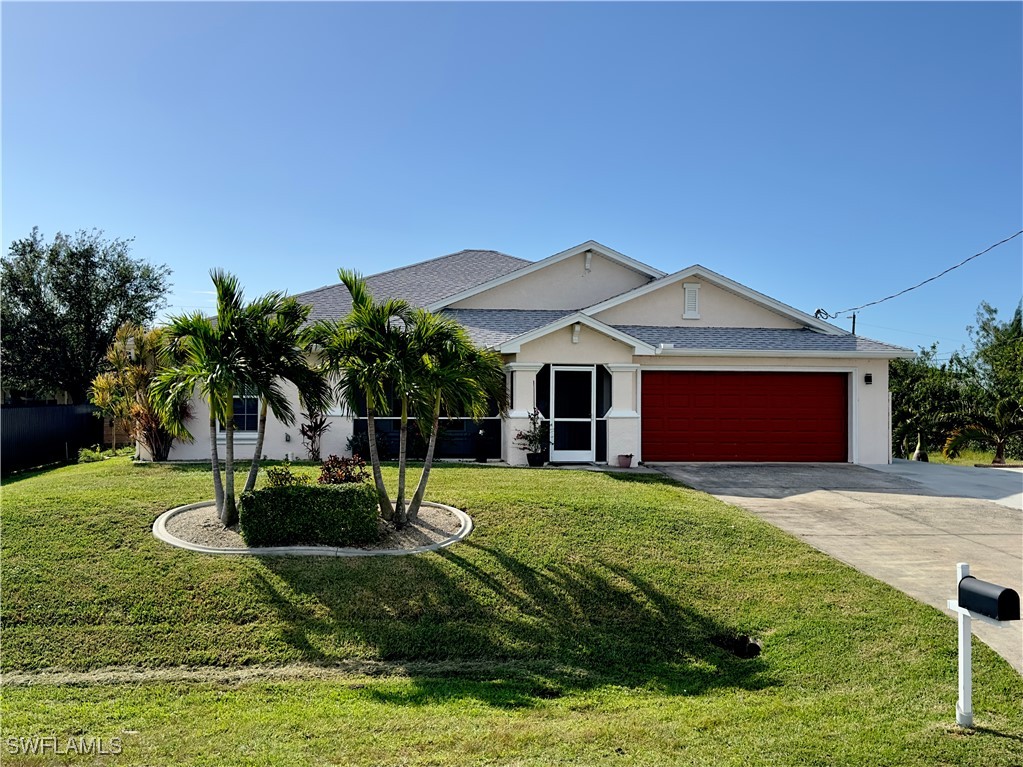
(691,303)
(246,412)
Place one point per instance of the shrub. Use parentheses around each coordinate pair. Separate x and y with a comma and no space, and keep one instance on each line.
(90,454)
(358,444)
(282,476)
(318,515)
(95,453)
(312,429)
(340,471)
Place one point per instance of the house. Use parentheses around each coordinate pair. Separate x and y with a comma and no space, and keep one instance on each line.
(622,358)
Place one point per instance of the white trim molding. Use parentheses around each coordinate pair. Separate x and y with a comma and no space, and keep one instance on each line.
(664,351)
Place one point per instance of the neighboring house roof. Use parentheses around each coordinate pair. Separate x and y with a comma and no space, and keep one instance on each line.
(493,327)
(419,283)
(689,340)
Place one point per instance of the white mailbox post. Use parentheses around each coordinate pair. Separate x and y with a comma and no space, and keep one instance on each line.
(983,601)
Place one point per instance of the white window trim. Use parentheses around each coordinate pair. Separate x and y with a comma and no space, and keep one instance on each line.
(241,435)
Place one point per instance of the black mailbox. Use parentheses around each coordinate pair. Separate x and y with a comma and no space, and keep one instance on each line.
(988,599)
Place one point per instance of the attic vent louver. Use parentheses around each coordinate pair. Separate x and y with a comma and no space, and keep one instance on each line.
(691,301)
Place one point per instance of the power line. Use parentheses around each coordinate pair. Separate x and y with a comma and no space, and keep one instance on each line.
(821,314)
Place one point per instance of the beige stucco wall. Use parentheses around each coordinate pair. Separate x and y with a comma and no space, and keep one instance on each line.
(718,308)
(563,285)
(557,347)
(275,445)
(869,419)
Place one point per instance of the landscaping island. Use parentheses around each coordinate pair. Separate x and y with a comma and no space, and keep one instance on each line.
(436,526)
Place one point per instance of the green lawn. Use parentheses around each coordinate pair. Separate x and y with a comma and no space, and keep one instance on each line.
(968,458)
(574,626)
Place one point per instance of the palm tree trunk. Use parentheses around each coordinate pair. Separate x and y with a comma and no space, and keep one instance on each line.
(417,497)
(386,510)
(999,451)
(250,482)
(218,485)
(230,515)
(400,512)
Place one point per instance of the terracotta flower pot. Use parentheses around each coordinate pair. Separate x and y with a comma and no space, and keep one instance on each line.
(625,461)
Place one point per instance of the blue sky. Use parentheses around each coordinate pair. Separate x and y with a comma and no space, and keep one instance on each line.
(824,154)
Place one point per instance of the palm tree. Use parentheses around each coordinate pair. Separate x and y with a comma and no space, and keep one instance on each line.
(279,343)
(361,354)
(135,357)
(988,425)
(427,361)
(456,377)
(211,355)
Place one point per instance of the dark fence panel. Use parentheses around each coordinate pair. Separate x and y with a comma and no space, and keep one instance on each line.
(36,436)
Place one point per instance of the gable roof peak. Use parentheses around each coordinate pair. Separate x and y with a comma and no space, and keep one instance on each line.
(724,283)
(590,245)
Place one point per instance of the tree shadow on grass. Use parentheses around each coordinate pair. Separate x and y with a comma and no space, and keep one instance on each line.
(479,622)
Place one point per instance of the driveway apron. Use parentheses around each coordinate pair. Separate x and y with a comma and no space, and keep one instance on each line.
(885,524)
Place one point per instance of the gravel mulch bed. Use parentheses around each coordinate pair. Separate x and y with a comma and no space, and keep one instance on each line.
(202,527)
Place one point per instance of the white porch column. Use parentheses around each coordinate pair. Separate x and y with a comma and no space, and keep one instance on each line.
(522,395)
(623,435)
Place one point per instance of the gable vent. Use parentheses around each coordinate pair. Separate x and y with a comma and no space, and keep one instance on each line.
(691,301)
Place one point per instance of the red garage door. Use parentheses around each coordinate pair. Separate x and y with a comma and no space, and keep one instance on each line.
(708,416)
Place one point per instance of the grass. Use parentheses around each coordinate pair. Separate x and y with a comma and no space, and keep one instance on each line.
(575,625)
(967,458)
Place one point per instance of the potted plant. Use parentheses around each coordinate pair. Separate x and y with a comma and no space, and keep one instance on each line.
(536,439)
(625,460)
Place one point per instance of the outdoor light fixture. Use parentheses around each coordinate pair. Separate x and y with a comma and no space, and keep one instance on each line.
(868,379)
(576,328)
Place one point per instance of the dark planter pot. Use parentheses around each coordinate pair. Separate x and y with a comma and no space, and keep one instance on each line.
(534,459)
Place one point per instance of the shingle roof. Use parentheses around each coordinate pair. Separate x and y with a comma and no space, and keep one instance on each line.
(420,283)
(756,339)
(491,327)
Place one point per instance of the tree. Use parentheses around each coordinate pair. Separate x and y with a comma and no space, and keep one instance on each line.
(210,355)
(62,303)
(135,359)
(246,348)
(997,359)
(989,408)
(923,393)
(992,424)
(360,354)
(426,361)
(455,377)
(280,349)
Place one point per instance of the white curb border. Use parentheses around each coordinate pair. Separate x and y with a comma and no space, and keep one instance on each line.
(160,532)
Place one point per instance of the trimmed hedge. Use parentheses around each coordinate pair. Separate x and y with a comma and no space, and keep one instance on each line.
(315,515)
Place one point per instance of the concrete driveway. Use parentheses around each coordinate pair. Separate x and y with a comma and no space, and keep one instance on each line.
(907,525)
